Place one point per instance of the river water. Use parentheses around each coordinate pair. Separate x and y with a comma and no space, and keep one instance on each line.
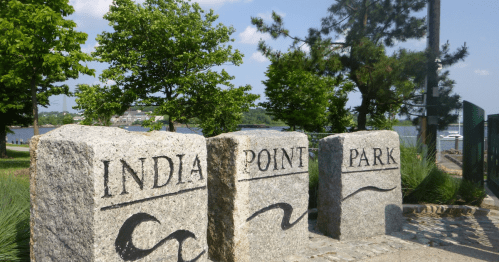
(407,133)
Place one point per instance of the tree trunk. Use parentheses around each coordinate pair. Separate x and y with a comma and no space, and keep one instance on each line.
(3,144)
(171,125)
(363,110)
(35,106)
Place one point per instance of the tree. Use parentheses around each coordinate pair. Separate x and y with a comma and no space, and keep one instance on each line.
(368,24)
(99,103)
(41,48)
(15,109)
(299,92)
(161,54)
(68,119)
(222,114)
(448,102)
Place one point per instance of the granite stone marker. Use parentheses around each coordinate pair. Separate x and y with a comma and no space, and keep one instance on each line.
(258,195)
(106,194)
(359,185)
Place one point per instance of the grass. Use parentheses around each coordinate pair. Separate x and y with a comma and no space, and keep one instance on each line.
(313,184)
(18,145)
(14,206)
(424,183)
(15,164)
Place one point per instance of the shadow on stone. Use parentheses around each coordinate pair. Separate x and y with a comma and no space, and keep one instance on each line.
(393,219)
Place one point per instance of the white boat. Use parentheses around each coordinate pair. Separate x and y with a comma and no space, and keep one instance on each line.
(452,134)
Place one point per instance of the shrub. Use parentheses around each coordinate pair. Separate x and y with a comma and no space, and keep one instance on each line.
(423,182)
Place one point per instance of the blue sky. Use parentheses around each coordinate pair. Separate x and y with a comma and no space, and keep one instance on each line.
(473,22)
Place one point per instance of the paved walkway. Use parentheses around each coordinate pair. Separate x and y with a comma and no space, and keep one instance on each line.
(18,148)
(424,238)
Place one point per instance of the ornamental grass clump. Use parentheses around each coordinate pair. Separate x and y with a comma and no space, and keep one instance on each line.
(313,173)
(14,219)
(424,183)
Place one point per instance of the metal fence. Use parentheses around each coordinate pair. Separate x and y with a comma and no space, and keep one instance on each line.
(493,153)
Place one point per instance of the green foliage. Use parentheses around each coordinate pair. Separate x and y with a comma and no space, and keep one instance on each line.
(388,84)
(340,117)
(99,103)
(259,116)
(299,96)
(55,118)
(15,109)
(448,103)
(14,206)
(167,47)
(67,119)
(14,219)
(222,114)
(313,186)
(423,182)
(39,48)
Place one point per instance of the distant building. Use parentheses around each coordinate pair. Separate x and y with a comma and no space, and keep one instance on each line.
(129,117)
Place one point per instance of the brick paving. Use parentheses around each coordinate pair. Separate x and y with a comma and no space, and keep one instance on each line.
(420,231)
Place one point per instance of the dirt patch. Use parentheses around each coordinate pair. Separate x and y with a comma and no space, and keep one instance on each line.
(24,173)
(489,207)
(455,172)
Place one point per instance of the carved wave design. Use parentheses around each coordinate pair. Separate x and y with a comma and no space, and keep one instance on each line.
(288,210)
(373,188)
(127,250)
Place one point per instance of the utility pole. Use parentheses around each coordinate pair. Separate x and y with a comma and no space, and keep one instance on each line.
(432,100)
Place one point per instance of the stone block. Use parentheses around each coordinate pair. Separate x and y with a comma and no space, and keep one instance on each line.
(359,185)
(106,194)
(258,195)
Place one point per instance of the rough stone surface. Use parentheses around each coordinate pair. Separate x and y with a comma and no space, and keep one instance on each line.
(258,195)
(106,194)
(359,185)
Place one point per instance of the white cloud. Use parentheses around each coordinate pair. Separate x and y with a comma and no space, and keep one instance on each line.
(251,36)
(259,57)
(481,72)
(305,48)
(95,8)
(268,16)
(461,65)
(89,49)
(217,3)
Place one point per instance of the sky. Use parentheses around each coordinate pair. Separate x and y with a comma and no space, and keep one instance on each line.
(473,22)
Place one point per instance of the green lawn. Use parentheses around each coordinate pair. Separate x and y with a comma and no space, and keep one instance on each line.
(16,164)
(17,145)
(14,206)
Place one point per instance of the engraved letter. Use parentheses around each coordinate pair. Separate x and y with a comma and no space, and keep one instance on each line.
(198,163)
(284,153)
(156,171)
(268,161)
(252,157)
(180,170)
(301,151)
(275,161)
(377,156)
(352,158)
(389,155)
(134,175)
(106,179)
(363,159)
